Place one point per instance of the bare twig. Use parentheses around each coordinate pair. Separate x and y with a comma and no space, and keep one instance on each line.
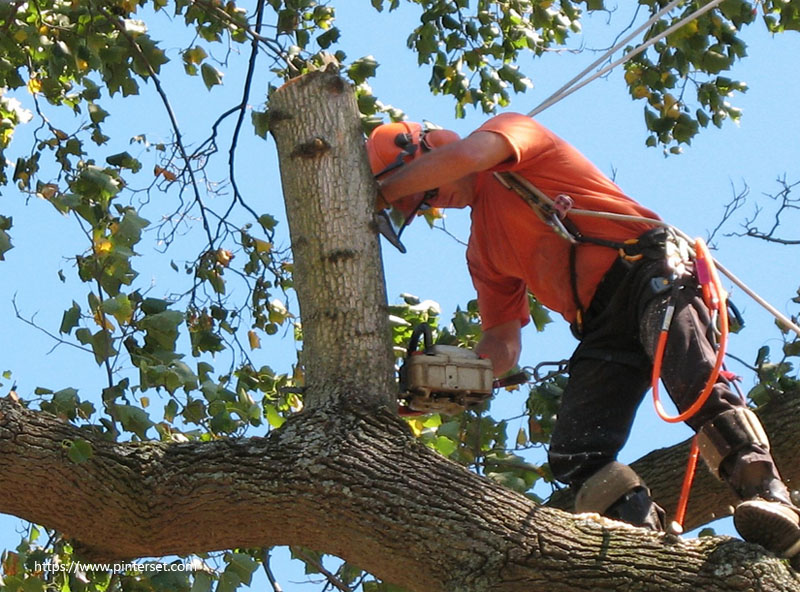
(731,207)
(115,21)
(265,562)
(248,81)
(332,579)
(786,204)
(32,323)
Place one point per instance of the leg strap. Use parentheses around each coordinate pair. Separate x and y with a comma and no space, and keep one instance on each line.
(606,487)
(729,433)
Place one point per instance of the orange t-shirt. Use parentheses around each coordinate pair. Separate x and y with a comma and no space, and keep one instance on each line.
(511,251)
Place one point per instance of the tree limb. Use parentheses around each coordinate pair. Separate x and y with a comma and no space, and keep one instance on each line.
(355,484)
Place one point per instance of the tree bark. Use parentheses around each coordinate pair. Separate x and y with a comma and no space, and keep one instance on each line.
(330,194)
(356,484)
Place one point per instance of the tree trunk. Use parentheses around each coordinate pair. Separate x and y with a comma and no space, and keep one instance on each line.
(338,274)
(346,476)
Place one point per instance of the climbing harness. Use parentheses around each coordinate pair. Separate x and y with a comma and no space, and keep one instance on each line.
(678,252)
(715,299)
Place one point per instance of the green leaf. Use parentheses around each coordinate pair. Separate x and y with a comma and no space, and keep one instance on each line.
(539,314)
(273,417)
(32,584)
(202,582)
(124,160)
(762,355)
(267,222)
(64,403)
(119,307)
(133,419)
(70,319)
(243,565)
(5,244)
(195,55)
(362,69)
(102,346)
(444,445)
(195,411)
(328,38)
(162,329)
(96,113)
(151,306)
(5,238)
(260,121)
(211,76)
(129,230)
(79,451)
(792,349)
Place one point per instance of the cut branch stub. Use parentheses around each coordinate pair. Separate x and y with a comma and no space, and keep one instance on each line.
(329,194)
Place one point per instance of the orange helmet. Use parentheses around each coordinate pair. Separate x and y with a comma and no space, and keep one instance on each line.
(393,144)
(389,147)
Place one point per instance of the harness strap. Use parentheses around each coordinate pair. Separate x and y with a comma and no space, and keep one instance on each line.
(555,217)
(580,312)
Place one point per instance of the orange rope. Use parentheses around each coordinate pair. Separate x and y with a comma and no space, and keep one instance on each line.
(715,298)
(691,467)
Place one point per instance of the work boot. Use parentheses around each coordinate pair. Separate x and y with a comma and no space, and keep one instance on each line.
(775,525)
(767,515)
(736,449)
(616,491)
(637,507)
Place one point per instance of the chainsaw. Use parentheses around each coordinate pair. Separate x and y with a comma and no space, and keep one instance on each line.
(445,379)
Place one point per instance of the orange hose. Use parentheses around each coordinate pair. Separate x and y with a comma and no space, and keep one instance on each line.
(715,298)
(688,478)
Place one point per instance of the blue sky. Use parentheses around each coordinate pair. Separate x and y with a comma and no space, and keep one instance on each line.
(601,120)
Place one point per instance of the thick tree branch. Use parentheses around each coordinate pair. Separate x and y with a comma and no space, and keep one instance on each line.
(350,483)
(329,193)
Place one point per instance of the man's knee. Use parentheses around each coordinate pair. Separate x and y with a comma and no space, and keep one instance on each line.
(576,467)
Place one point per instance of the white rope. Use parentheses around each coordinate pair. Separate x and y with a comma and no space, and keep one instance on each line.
(565,90)
(552,99)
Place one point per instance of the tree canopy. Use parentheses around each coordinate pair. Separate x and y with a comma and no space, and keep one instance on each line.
(187,360)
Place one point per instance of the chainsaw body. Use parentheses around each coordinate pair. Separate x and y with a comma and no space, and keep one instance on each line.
(443,378)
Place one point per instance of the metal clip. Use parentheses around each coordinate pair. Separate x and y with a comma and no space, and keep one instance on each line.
(555,223)
(562,204)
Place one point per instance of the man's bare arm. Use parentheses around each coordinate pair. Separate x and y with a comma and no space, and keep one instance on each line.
(445,164)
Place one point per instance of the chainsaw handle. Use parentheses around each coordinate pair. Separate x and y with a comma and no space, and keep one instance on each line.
(421,330)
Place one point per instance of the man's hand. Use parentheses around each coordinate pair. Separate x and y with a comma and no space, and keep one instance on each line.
(502,344)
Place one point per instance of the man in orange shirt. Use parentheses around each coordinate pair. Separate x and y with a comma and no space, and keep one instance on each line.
(612,285)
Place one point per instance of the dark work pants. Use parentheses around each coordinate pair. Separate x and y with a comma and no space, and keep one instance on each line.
(610,371)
